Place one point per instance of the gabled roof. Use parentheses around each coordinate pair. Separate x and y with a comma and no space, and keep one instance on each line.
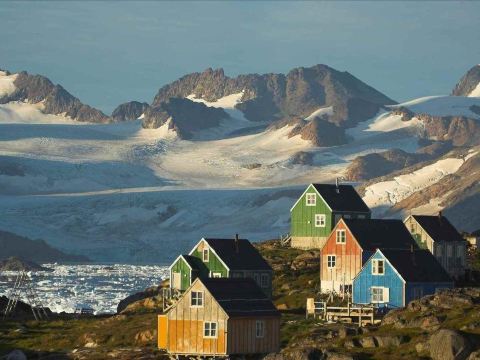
(194,262)
(341,198)
(438,227)
(240,255)
(416,266)
(240,297)
(372,234)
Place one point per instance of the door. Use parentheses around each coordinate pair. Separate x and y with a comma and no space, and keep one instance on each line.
(177,280)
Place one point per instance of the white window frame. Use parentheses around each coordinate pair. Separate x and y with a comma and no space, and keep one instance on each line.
(331,260)
(259,329)
(197,298)
(361,216)
(347,216)
(320,220)
(256,278)
(344,236)
(210,330)
(310,199)
(206,258)
(377,298)
(376,267)
(216,275)
(264,281)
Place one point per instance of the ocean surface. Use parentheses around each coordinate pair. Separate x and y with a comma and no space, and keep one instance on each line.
(100,287)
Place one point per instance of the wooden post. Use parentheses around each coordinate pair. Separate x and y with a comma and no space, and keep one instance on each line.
(360,317)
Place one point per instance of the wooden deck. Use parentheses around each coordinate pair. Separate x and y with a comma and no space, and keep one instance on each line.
(361,314)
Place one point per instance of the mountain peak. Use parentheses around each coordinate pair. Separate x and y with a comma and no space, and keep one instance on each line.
(469,84)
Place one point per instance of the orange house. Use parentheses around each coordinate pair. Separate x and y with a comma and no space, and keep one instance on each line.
(350,245)
(220,317)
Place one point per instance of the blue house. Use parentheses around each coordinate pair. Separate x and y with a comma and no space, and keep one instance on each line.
(393,278)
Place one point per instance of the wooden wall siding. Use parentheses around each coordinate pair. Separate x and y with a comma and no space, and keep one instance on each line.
(391,280)
(181,267)
(250,274)
(214,264)
(427,289)
(303,217)
(440,250)
(348,261)
(185,325)
(242,336)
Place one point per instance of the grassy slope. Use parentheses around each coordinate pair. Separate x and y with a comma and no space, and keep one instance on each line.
(296,278)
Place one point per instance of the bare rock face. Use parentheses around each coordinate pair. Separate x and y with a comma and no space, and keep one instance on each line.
(468,82)
(57,100)
(449,345)
(128,111)
(461,130)
(271,97)
(378,164)
(405,112)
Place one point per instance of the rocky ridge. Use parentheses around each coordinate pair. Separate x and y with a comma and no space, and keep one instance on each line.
(468,82)
(56,100)
(128,111)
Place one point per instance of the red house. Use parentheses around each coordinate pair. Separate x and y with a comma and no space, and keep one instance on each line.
(351,243)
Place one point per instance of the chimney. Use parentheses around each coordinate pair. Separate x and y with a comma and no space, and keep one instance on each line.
(237,249)
(336,184)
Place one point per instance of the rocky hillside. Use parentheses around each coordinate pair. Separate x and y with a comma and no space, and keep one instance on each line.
(183,116)
(469,84)
(131,110)
(274,97)
(55,99)
(18,264)
(38,251)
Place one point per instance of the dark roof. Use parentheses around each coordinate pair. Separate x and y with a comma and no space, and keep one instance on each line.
(416,266)
(438,227)
(194,262)
(246,258)
(346,199)
(240,297)
(374,234)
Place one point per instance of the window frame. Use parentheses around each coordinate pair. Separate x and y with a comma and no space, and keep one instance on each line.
(311,199)
(376,267)
(264,281)
(320,220)
(212,330)
(372,295)
(206,251)
(216,275)
(260,325)
(337,238)
(199,300)
(331,259)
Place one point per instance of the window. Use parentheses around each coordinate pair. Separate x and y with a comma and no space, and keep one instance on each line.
(311,199)
(362,217)
(209,329)
(331,261)
(264,280)
(256,277)
(319,220)
(449,250)
(341,237)
(206,255)
(237,275)
(346,289)
(378,267)
(216,275)
(260,329)
(379,295)
(197,299)
(347,216)
(439,250)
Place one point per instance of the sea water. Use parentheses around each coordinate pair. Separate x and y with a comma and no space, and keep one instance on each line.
(100,287)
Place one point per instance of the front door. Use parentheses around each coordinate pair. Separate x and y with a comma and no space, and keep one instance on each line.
(177,280)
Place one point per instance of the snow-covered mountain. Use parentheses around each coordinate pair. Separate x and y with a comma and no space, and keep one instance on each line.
(127,191)
(469,84)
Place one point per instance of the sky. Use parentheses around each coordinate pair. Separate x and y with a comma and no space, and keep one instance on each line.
(106,53)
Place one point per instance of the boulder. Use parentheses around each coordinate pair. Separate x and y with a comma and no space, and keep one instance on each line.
(474,355)
(89,340)
(368,342)
(16,355)
(390,340)
(422,347)
(329,355)
(448,344)
(145,337)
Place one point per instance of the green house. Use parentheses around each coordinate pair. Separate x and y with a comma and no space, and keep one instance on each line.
(221,258)
(318,210)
